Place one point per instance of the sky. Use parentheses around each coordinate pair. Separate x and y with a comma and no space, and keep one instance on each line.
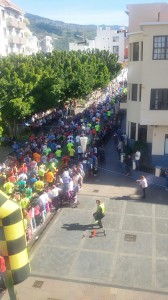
(84,12)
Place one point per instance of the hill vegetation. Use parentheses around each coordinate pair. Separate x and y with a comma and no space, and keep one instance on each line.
(62,32)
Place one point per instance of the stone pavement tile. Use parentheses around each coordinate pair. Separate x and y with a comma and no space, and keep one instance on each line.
(50,260)
(69,236)
(137,223)
(135,272)
(162,274)
(141,209)
(88,202)
(92,266)
(162,246)
(162,226)
(101,242)
(72,216)
(115,206)
(161,211)
(111,221)
(142,245)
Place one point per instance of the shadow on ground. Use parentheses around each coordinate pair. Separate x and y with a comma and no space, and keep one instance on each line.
(77,226)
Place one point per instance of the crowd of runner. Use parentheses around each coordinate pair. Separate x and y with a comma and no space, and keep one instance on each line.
(48,170)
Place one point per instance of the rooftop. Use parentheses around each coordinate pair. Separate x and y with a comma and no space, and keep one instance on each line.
(9,4)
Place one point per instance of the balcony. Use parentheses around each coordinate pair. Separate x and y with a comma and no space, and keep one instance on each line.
(14,23)
(16,40)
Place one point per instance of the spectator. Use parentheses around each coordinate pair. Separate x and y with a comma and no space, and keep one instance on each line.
(137,159)
(2,273)
(166,177)
(143,183)
(128,163)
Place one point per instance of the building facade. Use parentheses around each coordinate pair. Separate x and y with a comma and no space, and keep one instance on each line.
(111,40)
(106,39)
(147,100)
(12,27)
(87,45)
(15,36)
(46,44)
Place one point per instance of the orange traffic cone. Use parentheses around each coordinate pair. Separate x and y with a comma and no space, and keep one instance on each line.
(93,233)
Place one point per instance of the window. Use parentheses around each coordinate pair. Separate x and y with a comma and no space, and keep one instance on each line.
(141,51)
(133,131)
(130,51)
(160,47)
(140,92)
(115,49)
(134,92)
(159,99)
(142,133)
(135,51)
(166,144)
(3,15)
(115,39)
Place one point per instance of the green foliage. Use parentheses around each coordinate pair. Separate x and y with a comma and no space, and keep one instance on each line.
(39,82)
(1,129)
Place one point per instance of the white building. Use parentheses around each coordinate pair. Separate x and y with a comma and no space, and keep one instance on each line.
(111,40)
(31,43)
(87,45)
(106,39)
(47,44)
(15,37)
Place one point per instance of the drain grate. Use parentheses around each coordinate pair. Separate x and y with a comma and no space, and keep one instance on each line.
(38,284)
(52,299)
(130,237)
(95,191)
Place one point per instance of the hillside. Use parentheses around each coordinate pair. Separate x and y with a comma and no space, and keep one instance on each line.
(62,32)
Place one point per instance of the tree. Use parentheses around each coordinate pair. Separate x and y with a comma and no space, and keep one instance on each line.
(39,82)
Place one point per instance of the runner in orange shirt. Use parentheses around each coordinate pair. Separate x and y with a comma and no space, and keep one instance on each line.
(37,157)
(49,176)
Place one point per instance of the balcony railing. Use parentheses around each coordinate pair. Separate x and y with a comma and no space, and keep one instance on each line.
(17,40)
(15,24)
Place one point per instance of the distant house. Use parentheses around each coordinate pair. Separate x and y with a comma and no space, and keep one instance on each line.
(111,40)
(83,46)
(46,44)
(108,39)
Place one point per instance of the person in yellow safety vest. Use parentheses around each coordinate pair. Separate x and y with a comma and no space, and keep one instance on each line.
(99,214)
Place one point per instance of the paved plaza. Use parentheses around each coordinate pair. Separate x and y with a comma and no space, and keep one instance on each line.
(141,262)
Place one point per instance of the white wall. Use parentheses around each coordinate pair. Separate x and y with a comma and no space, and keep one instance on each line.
(105,40)
(159,133)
